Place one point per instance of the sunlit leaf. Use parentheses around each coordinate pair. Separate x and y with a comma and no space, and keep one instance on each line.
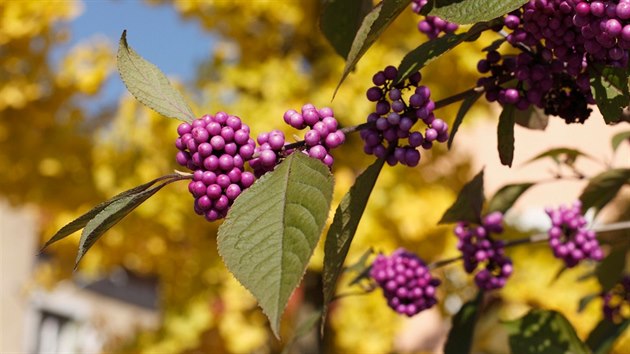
(471,11)
(505,197)
(149,85)
(610,90)
(344,225)
(544,332)
(467,206)
(272,229)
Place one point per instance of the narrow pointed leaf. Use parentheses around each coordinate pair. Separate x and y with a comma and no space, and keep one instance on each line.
(344,225)
(272,229)
(80,222)
(471,11)
(373,25)
(610,90)
(602,188)
(544,332)
(340,21)
(505,135)
(467,103)
(467,206)
(433,49)
(604,335)
(559,155)
(149,85)
(618,139)
(110,216)
(505,197)
(460,337)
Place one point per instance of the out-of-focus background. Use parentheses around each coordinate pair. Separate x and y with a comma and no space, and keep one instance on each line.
(71,137)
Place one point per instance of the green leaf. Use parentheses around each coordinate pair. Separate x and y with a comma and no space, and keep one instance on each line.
(469,202)
(110,216)
(80,222)
(619,138)
(560,155)
(149,85)
(471,11)
(467,103)
(505,132)
(342,230)
(611,268)
(340,21)
(272,229)
(544,332)
(373,25)
(602,188)
(604,335)
(584,301)
(505,197)
(431,50)
(460,337)
(609,86)
(532,118)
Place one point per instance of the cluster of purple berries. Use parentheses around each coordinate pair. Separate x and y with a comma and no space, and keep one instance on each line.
(432,26)
(605,27)
(394,117)
(569,238)
(616,306)
(216,149)
(478,247)
(406,282)
(323,135)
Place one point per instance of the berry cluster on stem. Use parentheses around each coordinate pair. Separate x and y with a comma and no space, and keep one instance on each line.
(406,282)
(432,26)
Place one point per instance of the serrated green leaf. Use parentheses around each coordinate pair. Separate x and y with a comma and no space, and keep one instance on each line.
(433,49)
(505,197)
(619,138)
(602,188)
(471,11)
(149,85)
(460,337)
(272,229)
(611,268)
(505,135)
(372,26)
(609,86)
(110,216)
(544,332)
(559,155)
(340,21)
(342,230)
(467,206)
(531,118)
(467,103)
(80,222)
(604,335)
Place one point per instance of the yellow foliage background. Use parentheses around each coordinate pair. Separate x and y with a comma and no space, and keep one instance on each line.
(270,58)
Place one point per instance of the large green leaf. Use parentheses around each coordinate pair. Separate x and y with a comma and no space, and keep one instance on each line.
(619,138)
(604,335)
(110,216)
(467,103)
(544,332)
(431,50)
(343,228)
(340,21)
(272,229)
(467,206)
(505,135)
(460,337)
(602,188)
(472,11)
(374,23)
(80,222)
(149,85)
(505,197)
(609,86)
